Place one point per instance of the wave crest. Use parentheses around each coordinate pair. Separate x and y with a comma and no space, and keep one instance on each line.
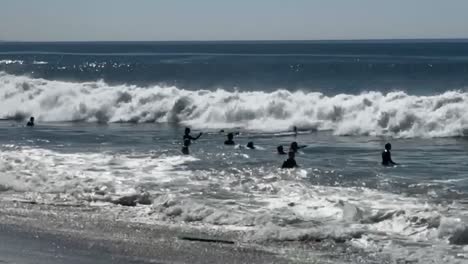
(394,114)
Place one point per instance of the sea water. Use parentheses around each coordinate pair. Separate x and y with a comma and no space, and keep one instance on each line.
(110,119)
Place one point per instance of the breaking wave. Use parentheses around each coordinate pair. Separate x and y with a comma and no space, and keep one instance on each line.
(372,113)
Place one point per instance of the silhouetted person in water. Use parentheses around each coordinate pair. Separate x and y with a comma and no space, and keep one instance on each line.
(185,148)
(30,122)
(290,162)
(387,156)
(281,150)
(295,147)
(250,145)
(230,140)
(295,130)
(189,137)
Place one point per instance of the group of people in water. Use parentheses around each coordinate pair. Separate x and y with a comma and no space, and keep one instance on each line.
(287,164)
(293,149)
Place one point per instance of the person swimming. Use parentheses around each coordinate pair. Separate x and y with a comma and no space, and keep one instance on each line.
(294,147)
(185,147)
(30,122)
(250,145)
(290,163)
(230,140)
(387,156)
(189,137)
(280,150)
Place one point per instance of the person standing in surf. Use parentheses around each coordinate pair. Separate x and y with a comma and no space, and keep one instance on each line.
(188,140)
(387,156)
(189,137)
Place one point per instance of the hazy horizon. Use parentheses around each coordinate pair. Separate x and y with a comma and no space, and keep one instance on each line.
(252,41)
(210,20)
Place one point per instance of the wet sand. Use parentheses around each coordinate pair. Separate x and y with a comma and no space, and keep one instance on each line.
(34,233)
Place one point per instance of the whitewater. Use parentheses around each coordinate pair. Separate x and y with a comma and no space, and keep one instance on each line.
(332,201)
(373,113)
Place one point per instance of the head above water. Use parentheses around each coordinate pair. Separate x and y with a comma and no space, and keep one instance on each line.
(388,146)
(187,130)
(280,149)
(250,145)
(230,136)
(294,146)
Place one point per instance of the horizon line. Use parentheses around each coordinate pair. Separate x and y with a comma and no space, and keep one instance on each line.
(243,41)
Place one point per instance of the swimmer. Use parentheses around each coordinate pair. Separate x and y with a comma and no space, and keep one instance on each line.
(280,150)
(290,163)
(250,145)
(387,156)
(230,140)
(31,122)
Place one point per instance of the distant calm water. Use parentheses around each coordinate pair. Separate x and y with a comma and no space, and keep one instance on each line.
(110,120)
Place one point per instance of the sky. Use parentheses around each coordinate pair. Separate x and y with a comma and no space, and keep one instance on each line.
(161,20)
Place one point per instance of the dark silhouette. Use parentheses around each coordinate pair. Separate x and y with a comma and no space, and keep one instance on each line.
(290,162)
(185,147)
(387,156)
(295,147)
(230,140)
(250,145)
(295,130)
(281,150)
(31,122)
(189,137)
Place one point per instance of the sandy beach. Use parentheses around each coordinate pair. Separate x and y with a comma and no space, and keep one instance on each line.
(34,233)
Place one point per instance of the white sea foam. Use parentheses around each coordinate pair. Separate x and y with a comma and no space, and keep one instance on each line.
(40,62)
(285,210)
(373,113)
(41,170)
(273,206)
(11,62)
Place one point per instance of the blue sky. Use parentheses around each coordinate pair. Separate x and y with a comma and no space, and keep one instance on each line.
(74,20)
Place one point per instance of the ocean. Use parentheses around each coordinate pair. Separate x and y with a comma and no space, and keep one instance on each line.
(110,117)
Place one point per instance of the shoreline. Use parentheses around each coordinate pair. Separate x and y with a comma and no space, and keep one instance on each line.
(38,233)
(81,233)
